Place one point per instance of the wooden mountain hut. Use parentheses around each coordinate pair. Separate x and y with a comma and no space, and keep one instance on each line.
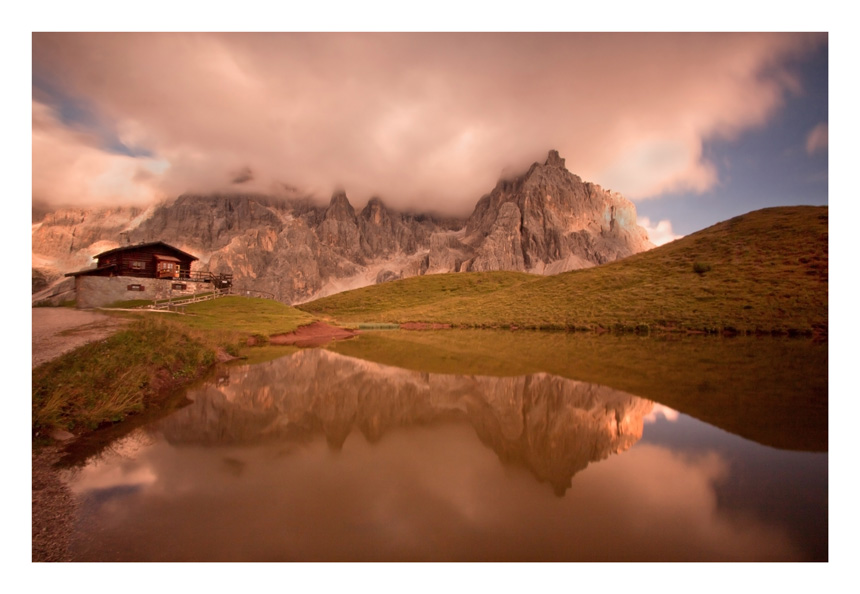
(144,260)
(119,271)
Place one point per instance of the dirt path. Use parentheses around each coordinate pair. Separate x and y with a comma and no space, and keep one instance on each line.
(57,330)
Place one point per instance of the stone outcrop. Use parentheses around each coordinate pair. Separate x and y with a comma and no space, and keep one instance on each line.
(501,248)
(339,231)
(545,221)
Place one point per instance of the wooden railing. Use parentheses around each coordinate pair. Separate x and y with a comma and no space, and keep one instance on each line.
(196,276)
(179,304)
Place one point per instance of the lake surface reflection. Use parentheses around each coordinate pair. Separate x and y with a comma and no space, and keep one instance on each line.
(321,456)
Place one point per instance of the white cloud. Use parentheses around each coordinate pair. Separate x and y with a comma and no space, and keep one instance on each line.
(659,234)
(658,410)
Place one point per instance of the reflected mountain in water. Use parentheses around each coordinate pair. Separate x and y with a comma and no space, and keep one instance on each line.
(550,425)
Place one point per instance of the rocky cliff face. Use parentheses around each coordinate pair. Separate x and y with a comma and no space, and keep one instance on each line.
(546,221)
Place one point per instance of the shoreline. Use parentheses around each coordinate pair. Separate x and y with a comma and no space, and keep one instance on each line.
(54,509)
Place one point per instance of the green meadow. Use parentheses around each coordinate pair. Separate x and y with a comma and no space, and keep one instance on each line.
(764,272)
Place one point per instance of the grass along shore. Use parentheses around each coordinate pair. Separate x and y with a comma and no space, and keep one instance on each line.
(763,272)
(139,367)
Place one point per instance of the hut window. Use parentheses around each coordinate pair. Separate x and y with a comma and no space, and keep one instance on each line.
(180,286)
(135,287)
(138,264)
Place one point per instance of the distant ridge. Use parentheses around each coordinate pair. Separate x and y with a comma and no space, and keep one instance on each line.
(545,221)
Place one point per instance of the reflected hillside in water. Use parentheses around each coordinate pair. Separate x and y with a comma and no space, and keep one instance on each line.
(770,390)
(552,426)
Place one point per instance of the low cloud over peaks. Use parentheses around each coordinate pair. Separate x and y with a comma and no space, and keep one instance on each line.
(421,120)
(242,176)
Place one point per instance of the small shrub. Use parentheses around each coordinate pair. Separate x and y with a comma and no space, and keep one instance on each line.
(259,339)
(377,326)
(701,268)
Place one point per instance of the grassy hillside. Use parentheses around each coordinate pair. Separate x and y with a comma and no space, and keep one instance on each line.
(389,299)
(244,316)
(765,271)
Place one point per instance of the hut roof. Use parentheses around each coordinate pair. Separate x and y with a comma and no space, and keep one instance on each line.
(146,245)
(89,271)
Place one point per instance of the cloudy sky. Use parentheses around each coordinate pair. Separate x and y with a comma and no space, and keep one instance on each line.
(694,128)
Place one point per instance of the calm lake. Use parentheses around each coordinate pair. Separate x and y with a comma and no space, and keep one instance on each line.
(476,446)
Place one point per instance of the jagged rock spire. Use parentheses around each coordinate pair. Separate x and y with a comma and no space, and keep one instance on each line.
(554,160)
(339,207)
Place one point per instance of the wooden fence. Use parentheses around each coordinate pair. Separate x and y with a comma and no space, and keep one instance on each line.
(179,304)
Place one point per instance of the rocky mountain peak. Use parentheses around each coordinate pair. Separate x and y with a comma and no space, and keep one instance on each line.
(563,222)
(375,212)
(339,208)
(554,160)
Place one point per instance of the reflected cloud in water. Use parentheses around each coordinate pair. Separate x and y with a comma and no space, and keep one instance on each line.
(661,411)
(553,426)
(317,456)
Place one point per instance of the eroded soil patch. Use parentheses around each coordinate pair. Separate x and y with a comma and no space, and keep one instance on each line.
(312,335)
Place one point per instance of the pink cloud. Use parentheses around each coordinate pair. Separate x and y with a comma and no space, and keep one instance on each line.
(645,491)
(417,119)
(70,168)
(817,140)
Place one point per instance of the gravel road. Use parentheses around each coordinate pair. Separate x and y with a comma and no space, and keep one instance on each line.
(57,330)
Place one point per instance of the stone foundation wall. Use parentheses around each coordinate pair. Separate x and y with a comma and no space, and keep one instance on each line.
(98,291)
(57,294)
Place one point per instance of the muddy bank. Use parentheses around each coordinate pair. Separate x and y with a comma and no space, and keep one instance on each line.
(312,335)
(54,508)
